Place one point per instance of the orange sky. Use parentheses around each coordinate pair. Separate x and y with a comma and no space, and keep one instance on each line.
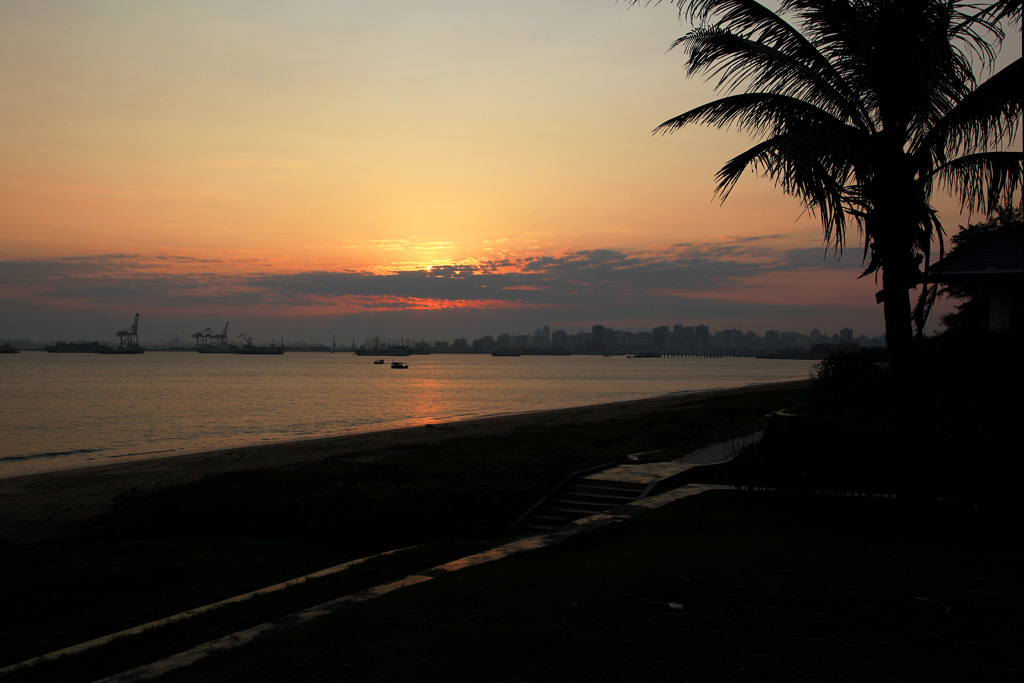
(191,160)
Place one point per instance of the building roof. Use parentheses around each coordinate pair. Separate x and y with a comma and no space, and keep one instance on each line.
(997,253)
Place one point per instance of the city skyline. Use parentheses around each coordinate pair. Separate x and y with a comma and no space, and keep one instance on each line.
(665,337)
(326,168)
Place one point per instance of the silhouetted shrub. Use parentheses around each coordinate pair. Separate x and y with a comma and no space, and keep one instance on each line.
(851,382)
(949,433)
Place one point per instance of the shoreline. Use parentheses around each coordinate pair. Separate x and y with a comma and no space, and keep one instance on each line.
(56,504)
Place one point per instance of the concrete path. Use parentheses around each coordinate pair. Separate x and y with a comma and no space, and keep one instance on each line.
(645,472)
(721,452)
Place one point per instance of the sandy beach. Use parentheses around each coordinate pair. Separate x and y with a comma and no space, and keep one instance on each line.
(56,504)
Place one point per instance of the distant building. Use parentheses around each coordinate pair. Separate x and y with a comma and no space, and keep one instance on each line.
(687,340)
(659,338)
(484,344)
(701,338)
(542,338)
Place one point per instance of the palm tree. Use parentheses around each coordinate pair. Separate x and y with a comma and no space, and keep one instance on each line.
(862,107)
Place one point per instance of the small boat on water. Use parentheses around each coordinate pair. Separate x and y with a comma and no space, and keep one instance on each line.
(379,361)
(399,365)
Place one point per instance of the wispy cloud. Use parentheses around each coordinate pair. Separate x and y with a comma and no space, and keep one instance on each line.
(568,278)
(741,276)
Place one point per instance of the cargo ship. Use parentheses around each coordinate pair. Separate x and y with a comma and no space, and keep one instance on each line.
(251,350)
(79,347)
(128,344)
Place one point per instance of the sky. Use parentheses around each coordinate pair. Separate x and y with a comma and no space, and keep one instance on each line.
(423,170)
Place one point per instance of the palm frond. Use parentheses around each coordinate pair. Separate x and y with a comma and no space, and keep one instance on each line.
(986,117)
(978,28)
(734,37)
(1005,9)
(984,181)
(760,113)
(739,62)
(793,161)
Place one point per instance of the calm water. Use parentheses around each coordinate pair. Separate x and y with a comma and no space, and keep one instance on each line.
(62,411)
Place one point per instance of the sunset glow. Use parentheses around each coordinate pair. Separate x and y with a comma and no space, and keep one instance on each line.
(317,168)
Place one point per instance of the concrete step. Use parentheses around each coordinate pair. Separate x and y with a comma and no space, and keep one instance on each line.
(583,497)
(599,498)
(569,507)
(606,485)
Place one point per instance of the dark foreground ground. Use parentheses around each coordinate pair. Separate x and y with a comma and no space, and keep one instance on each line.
(728,585)
(725,586)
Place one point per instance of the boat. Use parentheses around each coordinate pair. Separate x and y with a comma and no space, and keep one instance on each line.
(78,347)
(379,361)
(217,348)
(123,350)
(208,341)
(7,348)
(399,365)
(250,350)
(128,341)
(260,350)
(506,353)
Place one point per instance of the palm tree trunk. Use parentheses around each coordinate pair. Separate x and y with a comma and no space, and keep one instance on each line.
(892,224)
(899,333)
(900,400)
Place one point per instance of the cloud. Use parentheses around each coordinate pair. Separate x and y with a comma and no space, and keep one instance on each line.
(540,279)
(735,278)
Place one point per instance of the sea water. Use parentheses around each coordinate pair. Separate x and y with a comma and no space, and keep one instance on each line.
(59,411)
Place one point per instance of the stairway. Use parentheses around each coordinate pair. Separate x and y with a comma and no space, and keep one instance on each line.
(605,487)
(598,490)
(578,498)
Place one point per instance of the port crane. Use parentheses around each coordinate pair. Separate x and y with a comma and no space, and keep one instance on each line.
(130,337)
(260,350)
(208,337)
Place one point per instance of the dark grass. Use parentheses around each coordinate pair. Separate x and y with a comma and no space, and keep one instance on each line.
(173,549)
(771,589)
